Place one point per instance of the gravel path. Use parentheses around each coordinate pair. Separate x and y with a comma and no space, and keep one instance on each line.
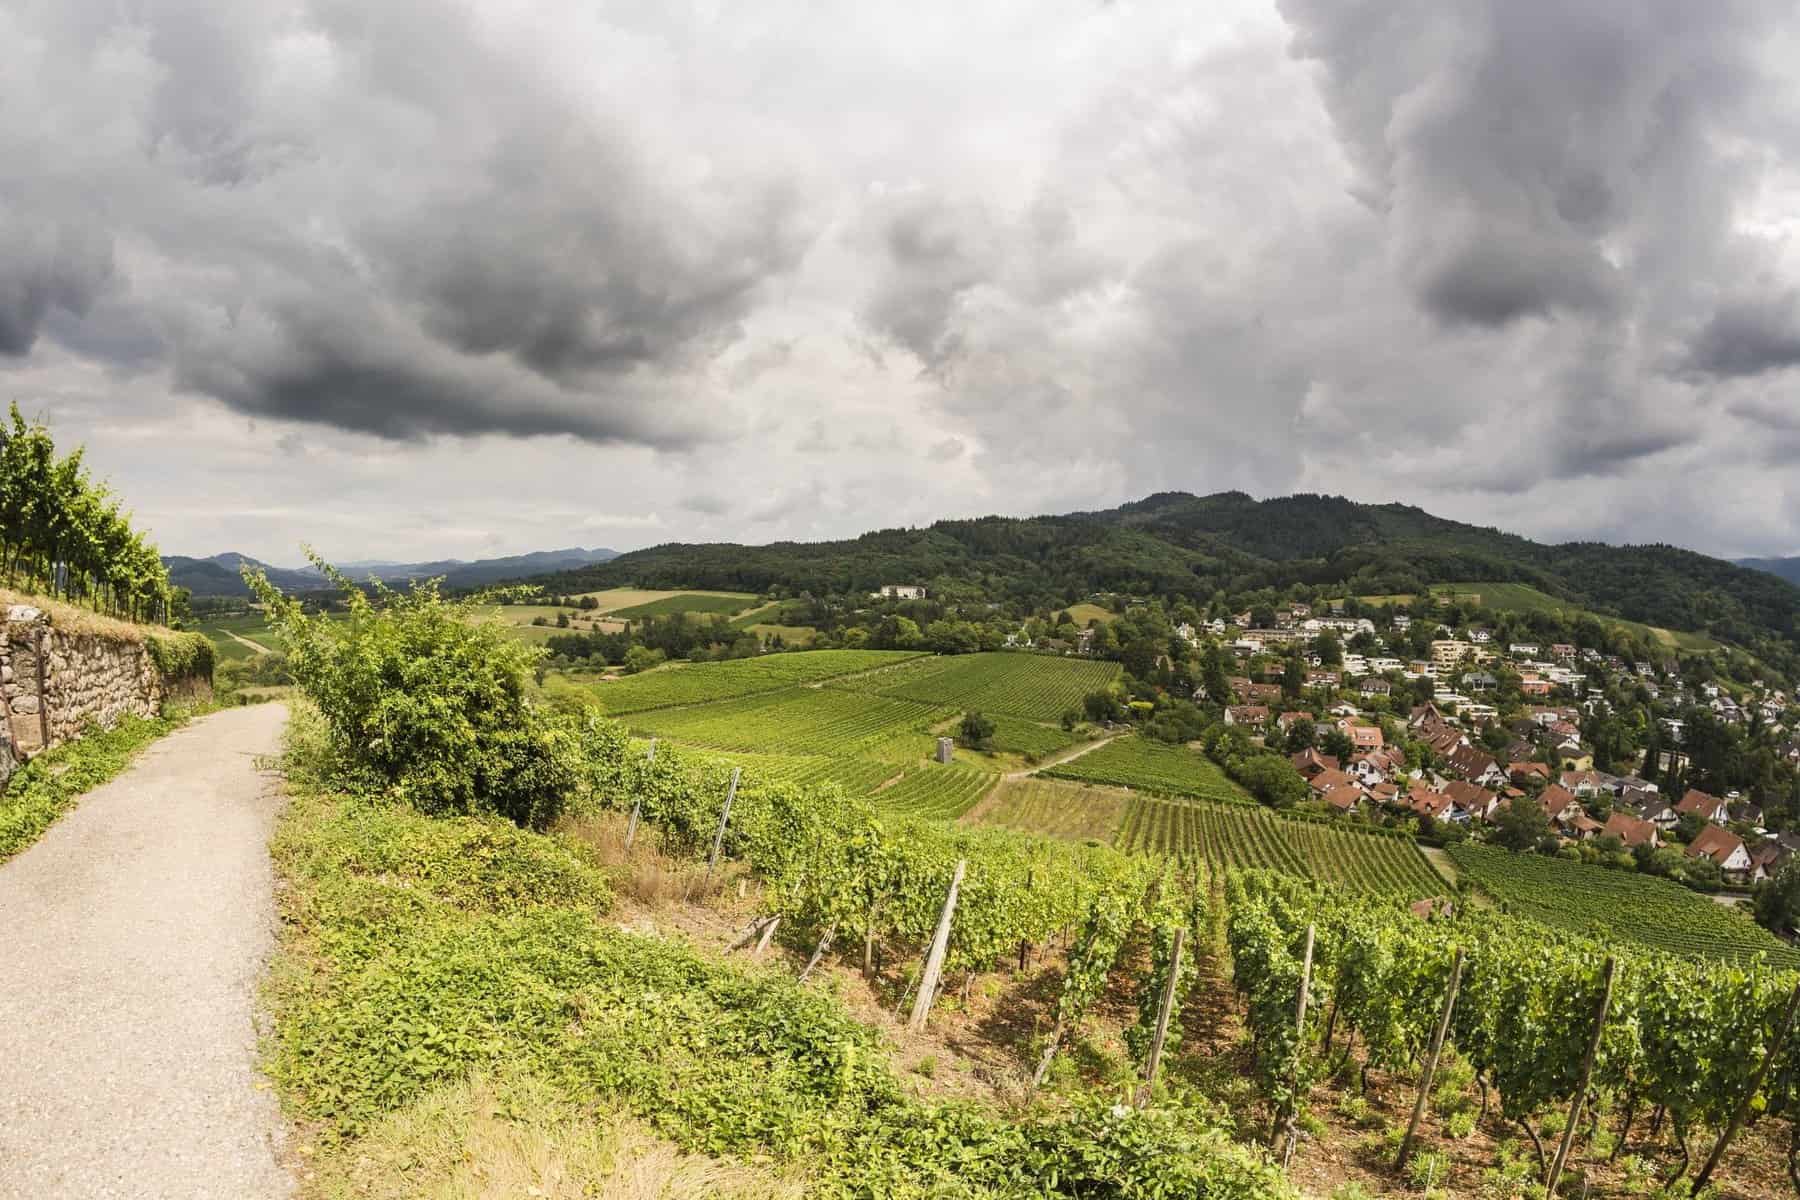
(132,936)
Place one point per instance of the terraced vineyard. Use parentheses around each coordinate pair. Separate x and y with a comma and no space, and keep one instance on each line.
(1152,766)
(1238,835)
(820,721)
(1037,687)
(1020,736)
(1054,808)
(944,790)
(702,682)
(1617,905)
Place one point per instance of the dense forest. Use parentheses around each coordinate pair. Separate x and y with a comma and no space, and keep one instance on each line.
(1178,545)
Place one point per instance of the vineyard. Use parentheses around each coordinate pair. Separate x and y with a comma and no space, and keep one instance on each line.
(1036,687)
(1152,766)
(1617,905)
(1242,836)
(1019,736)
(67,536)
(801,721)
(704,603)
(1544,1020)
(942,790)
(1053,808)
(702,682)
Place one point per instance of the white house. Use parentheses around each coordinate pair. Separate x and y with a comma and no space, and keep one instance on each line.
(900,591)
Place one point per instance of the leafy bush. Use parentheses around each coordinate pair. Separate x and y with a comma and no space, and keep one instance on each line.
(426,702)
(180,656)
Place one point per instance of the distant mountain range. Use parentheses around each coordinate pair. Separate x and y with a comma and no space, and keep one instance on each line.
(218,575)
(1786,568)
(1177,544)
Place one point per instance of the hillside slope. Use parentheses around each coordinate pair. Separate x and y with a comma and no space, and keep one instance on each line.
(1786,568)
(218,575)
(1174,543)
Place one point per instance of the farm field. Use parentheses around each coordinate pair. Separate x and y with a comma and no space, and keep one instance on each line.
(611,600)
(1019,736)
(218,631)
(1237,835)
(1151,766)
(705,603)
(821,721)
(1034,686)
(1084,613)
(1054,808)
(942,790)
(1617,905)
(698,683)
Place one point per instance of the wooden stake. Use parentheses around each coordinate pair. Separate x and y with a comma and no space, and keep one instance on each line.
(1163,1011)
(749,935)
(768,935)
(819,950)
(637,806)
(1756,1081)
(1285,1132)
(1431,1059)
(1587,1069)
(712,860)
(934,961)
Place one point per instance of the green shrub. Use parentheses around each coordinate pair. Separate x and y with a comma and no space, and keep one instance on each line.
(426,702)
(180,656)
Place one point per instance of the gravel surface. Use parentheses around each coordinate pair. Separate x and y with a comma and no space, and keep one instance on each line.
(132,937)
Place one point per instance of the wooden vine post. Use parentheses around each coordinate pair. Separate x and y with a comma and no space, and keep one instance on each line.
(934,960)
(1756,1081)
(1587,1070)
(1286,1132)
(819,951)
(712,860)
(1431,1059)
(1163,1010)
(637,805)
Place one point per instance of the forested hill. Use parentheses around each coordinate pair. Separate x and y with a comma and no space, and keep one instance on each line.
(1174,543)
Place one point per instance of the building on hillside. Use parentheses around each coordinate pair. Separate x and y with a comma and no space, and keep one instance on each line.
(1707,808)
(1631,831)
(899,591)
(1447,653)
(1725,848)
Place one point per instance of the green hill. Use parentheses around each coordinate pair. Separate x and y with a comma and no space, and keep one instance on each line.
(1176,544)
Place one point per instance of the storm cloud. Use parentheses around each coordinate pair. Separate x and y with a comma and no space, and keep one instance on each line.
(802,272)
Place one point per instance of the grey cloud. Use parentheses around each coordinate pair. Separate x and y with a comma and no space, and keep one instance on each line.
(1517,146)
(47,267)
(706,503)
(1747,338)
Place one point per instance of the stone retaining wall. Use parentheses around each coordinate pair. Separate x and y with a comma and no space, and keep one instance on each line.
(55,682)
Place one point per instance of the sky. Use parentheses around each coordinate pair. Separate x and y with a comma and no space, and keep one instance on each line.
(415,279)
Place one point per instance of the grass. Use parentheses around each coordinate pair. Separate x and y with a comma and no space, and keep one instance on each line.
(798,721)
(1523,598)
(50,784)
(698,683)
(1037,687)
(1084,613)
(612,600)
(1056,809)
(1152,766)
(1031,738)
(466,1139)
(73,618)
(705,603)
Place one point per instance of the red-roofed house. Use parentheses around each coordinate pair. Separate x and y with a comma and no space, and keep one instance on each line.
(1344,798)
(1709,808)
(1477,802)
(1631,831)
(1324,781)
(1725,848)
(1253,715)
(1310,762)
(1560,804)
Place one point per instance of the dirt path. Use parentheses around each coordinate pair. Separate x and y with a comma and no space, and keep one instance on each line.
(256,646)
(132,937)
(1057,760)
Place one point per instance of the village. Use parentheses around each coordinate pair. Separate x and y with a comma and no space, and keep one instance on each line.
(1452,740)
